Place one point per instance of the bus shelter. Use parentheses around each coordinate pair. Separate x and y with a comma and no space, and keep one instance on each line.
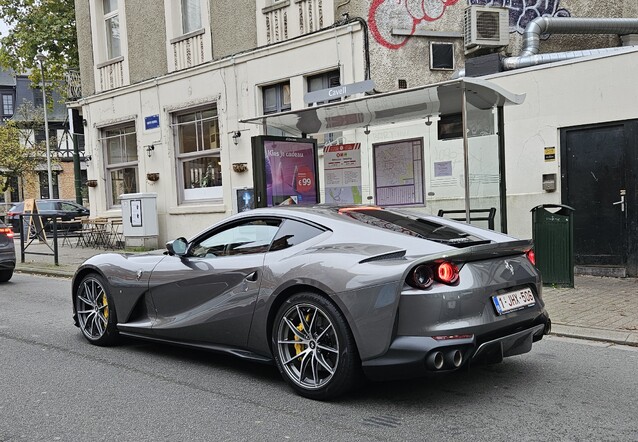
(454,128)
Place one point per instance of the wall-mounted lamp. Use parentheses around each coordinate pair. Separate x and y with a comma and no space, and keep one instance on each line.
(428,122)
(87,158)
(84,122)
(149,150)
(236,136)
(366,130)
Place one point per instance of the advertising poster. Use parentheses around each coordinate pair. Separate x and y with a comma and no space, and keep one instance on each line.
(285,171)
(342,173)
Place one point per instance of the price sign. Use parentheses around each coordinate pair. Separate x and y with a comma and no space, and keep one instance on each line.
(305,180)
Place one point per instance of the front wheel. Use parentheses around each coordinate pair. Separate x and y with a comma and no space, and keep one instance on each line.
(95,311)
(313,347)
(5,275)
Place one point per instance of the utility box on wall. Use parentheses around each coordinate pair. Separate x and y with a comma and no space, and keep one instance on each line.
(139,220)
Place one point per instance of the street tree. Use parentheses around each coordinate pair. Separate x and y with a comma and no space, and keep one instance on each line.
(39,26)
(20,154)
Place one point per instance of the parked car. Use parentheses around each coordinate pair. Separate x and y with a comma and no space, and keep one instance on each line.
(324,292)
(7,253)
(63,209)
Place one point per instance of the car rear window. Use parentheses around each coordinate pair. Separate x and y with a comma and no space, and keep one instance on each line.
(414,226)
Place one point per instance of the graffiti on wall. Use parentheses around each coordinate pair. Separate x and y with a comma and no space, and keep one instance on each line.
(522,12)
(384,15)
(405,14)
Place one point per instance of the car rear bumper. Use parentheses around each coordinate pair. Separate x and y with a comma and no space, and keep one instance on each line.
(415,356)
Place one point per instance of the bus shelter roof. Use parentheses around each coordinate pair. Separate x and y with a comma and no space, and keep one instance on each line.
(390,107)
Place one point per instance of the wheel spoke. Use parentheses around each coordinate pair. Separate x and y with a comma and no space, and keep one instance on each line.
(293,342)
(304,365)
(303,353)
(302,319)
(295,330)
(83,312)
(315,372)
(324,364)
(312,322)
(98,324)
(330,349)
(86,301)
(324,331)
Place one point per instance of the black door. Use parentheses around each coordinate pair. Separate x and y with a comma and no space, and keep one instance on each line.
(598,181)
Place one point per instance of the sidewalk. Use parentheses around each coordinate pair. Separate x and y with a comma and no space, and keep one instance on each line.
(601,309)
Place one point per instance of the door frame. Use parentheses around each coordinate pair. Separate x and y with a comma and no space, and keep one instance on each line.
(631,159)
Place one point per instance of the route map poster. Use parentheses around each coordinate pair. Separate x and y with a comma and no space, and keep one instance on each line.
(398,171)
(285,171)
(342,173)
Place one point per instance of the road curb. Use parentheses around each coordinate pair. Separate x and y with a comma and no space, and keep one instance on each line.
(596,334)
(59,273)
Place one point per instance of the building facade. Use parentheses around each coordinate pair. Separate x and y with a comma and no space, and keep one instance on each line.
(167,88)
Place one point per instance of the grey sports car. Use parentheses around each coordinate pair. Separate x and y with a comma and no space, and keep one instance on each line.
(330,294)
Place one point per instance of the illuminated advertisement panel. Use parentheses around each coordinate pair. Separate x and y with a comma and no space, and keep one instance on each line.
(285,171)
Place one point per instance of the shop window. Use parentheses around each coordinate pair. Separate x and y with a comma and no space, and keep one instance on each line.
(398,172)
(276,98)
(120,156)
(44,185)
(191,16)
(441,56)
(198,155)
(112,28)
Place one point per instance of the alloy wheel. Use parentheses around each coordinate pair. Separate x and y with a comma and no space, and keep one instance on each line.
(308,346)
(92,309)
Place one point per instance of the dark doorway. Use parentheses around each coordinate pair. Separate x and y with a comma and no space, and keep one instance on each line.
(598,181)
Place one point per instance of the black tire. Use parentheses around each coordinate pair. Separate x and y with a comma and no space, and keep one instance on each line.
(5,275)
(95,311)
(313,347)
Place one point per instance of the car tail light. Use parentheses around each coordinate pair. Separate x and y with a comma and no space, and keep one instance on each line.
(7,231)
(447,273)
(531,256)
(424,275)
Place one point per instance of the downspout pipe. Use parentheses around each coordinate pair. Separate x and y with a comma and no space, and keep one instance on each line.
(566,25)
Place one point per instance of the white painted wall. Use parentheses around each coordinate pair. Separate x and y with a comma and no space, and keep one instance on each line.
(583,91)
(234,85)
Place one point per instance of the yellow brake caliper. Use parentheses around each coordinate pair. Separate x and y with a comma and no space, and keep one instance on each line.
(106,307)
(298,347)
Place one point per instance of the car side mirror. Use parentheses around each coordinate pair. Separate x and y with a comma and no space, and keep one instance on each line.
(177,247)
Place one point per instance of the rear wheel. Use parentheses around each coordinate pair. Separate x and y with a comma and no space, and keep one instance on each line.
(314,348)
(95,311)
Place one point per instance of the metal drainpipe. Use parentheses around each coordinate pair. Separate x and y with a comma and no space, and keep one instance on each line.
(566,25)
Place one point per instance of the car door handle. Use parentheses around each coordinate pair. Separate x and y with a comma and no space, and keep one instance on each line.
(252,277)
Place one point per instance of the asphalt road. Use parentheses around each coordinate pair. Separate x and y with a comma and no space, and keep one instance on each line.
(56,386)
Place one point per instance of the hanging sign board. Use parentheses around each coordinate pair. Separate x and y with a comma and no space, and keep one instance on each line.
(338,91)
(342,173)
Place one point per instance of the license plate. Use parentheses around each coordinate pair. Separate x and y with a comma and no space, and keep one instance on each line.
(510,301)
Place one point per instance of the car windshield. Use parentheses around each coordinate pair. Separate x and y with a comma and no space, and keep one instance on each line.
(414,226)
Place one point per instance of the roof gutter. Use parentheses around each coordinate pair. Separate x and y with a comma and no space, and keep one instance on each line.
(566,25)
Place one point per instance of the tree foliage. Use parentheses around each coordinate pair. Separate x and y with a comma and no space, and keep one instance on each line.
(20,155)
(39,26)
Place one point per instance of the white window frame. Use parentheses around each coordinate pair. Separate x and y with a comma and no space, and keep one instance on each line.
(200,194)
(112,200)
(107,16)
(442,43)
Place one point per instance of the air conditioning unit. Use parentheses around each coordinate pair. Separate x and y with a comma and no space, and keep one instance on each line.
(486,27)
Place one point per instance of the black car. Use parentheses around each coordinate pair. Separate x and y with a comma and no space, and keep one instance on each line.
(7,253)
(63,209)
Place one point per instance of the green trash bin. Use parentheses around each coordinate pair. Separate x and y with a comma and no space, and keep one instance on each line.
(553,234)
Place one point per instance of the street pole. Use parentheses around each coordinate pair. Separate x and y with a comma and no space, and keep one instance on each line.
(40,57)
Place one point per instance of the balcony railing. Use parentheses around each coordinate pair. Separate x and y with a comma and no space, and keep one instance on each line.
(291,18)
(111,74)
(73,84)
(188,50)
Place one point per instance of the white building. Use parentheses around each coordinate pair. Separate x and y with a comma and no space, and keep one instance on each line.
(169,89)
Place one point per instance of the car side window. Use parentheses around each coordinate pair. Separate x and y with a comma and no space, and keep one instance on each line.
(69,207)
(252,236)
(292,233)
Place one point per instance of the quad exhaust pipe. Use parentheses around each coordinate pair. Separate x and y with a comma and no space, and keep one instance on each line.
(450,359)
